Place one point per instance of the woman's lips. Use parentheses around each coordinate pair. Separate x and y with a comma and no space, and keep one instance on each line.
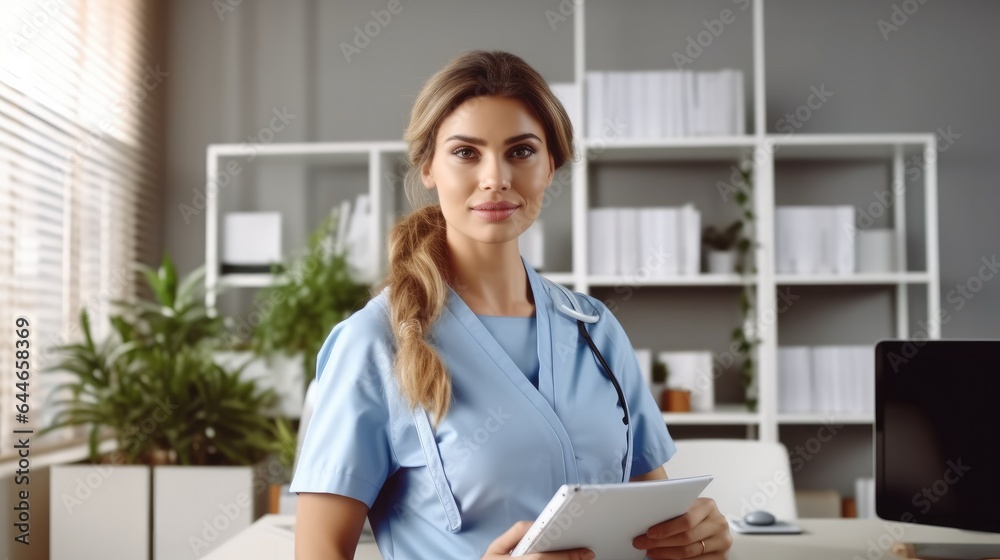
(495,211)
(495,214)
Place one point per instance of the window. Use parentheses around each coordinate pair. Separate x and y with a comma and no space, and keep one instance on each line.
(80,146)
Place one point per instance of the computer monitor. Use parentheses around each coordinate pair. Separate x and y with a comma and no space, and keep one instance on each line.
(937,433)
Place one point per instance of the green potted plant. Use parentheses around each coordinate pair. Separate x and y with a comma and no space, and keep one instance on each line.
(155,388)
(310,295)
(721,255)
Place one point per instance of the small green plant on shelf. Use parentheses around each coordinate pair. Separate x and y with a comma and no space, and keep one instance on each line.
(722,240)
(660,372)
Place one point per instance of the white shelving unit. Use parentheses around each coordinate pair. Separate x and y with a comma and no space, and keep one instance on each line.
(763,148)
(379,157)
(820,418)
(722,415)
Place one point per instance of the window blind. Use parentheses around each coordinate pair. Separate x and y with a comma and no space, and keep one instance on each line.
(80,147)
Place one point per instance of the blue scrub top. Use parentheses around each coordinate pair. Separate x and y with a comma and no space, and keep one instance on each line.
(518,336)
(504,447)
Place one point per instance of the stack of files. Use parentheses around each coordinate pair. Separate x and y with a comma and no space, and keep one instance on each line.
(658,242)
(645,358)
(814,239)
(361,254)
(826,379)
(864,497)
(566,94)
(664,104)
(794,379)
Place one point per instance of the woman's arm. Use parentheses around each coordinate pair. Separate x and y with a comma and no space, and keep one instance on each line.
(656,474)
(328,526)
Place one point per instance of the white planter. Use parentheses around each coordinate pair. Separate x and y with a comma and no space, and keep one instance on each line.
(99,511)
(196,509)
(721,262)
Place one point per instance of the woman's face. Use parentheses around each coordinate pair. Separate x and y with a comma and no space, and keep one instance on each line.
(491,168)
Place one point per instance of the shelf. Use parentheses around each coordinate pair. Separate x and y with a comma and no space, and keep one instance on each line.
(876,278)
(723,414)
(718,148)
(252,280)
(846,146)
(329,153)
(566,278)
(722,148)
(263,280)
(692,280)
(825,418)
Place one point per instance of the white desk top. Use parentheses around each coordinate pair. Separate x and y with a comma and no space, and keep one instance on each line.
(842,539)
(271,538)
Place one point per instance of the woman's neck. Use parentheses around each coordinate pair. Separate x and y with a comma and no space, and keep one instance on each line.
(490,278)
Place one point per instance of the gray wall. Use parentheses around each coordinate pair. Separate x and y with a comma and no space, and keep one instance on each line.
(935,72)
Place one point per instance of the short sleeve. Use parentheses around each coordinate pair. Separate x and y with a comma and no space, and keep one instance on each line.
(652,444)
(347,448)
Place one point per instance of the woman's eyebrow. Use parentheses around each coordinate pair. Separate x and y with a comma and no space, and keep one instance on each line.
(480,142)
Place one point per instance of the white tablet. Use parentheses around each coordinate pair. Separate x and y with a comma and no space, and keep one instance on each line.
(606,517)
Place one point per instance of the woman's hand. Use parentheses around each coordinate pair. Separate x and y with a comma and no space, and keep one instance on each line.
(701,532)
(501,547)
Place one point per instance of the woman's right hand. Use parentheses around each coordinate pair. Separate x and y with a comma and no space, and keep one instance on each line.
(501,547)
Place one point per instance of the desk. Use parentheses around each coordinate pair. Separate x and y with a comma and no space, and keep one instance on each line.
(842,539)
(271,538)
(824,539)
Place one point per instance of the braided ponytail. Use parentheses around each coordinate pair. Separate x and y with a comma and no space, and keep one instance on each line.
(417,293)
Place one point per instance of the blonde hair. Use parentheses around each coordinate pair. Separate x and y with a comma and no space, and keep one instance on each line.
(418,251)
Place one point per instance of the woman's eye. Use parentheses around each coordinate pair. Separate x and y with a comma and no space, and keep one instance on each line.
(464,153)
(522,152)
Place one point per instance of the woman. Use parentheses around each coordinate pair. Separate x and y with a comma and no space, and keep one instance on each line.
(461,397)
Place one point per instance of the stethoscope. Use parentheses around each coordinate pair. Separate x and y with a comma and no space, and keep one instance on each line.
(582,319)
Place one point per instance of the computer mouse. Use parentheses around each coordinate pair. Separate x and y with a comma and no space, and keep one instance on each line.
(758,518)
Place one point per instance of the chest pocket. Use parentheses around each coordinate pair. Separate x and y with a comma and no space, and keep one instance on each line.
(428,455)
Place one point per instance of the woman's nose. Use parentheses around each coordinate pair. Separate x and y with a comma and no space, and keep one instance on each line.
(495,177)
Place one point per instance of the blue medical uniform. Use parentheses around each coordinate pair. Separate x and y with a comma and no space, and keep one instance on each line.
(518,337)
(505,445)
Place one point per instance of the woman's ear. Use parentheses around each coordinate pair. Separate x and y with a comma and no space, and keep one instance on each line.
(426,178)
(552,170)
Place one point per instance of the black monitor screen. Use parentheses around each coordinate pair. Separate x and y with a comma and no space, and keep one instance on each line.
(937,426)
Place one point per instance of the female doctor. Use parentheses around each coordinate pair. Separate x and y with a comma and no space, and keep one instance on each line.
(454,405)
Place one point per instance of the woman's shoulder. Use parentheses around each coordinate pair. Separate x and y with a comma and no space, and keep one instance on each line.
(373,318)
(606,325)
(366,329)
(586,304)
(362,340)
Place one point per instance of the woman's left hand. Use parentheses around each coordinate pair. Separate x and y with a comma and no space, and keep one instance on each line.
(701,532)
